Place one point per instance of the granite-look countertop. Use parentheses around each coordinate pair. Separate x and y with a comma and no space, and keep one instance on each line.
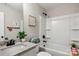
(16,49)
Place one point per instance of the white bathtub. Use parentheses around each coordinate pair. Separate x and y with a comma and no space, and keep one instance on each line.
(54,52)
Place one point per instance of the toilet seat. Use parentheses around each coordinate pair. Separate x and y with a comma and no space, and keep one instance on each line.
(43,54)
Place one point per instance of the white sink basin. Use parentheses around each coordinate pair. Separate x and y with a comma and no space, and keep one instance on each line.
(13,46)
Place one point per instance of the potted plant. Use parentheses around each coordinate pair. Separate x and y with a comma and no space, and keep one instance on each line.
(21,36)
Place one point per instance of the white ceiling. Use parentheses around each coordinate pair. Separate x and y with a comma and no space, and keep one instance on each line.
(53,5)
(19,6)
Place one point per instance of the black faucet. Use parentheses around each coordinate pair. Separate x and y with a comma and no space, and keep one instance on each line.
(10,42)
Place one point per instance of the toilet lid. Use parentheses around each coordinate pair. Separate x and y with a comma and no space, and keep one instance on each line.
(43,54)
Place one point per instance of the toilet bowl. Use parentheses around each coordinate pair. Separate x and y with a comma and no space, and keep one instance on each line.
(43,54)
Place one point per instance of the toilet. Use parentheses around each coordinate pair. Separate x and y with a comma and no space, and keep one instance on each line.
(44,54)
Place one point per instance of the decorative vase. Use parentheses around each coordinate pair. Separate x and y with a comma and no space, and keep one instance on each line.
(23,40)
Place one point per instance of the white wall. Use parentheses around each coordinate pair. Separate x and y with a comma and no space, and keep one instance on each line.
(63,9)
(1,24)
(11,17)
(34,10)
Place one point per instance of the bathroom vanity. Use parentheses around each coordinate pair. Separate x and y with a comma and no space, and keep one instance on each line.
(20,49)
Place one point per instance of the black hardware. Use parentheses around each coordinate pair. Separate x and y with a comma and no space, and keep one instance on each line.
(6,38)
(44,41)
(43,36)
(2,36)
(10,42)
(44,45)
